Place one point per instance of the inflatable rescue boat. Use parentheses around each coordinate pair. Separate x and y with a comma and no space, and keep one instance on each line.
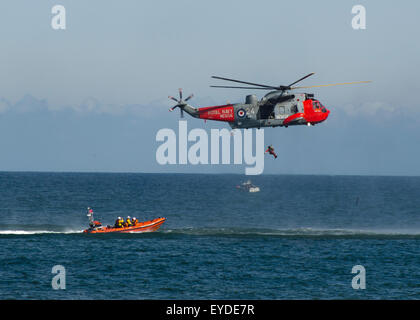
(146,226)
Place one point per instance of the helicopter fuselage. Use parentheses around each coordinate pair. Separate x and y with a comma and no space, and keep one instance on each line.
(278,108)
(274,110)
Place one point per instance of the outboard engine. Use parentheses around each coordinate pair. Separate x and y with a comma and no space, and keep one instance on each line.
(251,99)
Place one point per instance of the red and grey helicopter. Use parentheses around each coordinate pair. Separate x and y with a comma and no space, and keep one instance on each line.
(278,108)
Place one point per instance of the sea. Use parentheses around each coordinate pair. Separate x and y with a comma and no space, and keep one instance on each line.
(300,237)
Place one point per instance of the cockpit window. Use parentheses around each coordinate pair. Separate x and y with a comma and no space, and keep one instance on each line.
(316,105)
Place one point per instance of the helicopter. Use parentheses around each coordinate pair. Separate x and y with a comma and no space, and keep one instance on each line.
(278,108)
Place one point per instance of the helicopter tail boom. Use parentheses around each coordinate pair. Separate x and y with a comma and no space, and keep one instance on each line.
(218,113)
(183,106)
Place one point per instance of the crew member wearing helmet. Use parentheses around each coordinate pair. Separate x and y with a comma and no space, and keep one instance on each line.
(134,221)
(128,222)
(119,222)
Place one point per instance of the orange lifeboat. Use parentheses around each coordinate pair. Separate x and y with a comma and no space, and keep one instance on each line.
(146,226)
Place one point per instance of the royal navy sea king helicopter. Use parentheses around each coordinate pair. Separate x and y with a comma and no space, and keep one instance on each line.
(278,108)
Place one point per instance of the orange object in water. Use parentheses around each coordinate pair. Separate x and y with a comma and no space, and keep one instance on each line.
(146,226)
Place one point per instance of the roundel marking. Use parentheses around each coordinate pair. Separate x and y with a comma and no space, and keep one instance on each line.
(241,113)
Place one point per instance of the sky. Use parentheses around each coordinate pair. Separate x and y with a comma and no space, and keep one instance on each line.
(93,96)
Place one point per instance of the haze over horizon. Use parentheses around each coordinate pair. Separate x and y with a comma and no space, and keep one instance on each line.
(92,97)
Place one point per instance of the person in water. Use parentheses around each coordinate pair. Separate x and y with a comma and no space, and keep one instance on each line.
(270,150)
(128,222)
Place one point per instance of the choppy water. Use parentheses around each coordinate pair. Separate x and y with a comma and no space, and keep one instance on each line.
(296,239)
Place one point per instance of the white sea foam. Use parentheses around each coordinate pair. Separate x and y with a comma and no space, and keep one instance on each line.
(29,232)
(294,232)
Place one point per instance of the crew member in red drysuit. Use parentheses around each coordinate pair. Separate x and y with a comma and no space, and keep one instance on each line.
(270,150)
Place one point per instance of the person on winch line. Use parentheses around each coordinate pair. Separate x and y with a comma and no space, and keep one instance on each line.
(270,150)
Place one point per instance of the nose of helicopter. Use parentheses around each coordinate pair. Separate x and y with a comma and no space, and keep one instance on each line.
(326,113)
(323,115)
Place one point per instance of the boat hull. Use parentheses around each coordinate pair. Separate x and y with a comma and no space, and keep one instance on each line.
(146,226)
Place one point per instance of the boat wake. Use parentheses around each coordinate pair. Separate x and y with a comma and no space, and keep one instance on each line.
(239,232)
(36,229)
(297,233)
(23,232)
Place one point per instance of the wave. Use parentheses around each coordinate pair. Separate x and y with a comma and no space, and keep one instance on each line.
(315,233)
(295,233)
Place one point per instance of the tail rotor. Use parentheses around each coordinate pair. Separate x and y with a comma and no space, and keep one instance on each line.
(180,103)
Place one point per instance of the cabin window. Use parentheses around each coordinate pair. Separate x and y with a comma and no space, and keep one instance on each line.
(281,110)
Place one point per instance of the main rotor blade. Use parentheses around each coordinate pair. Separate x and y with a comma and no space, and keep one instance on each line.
(308,75)
(170,97)
(329,85)
(258,88)
(244,82)
(180,94)
(189,97)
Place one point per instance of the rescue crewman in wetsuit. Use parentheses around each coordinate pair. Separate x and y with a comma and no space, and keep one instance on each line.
(270,150)
(128,222)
